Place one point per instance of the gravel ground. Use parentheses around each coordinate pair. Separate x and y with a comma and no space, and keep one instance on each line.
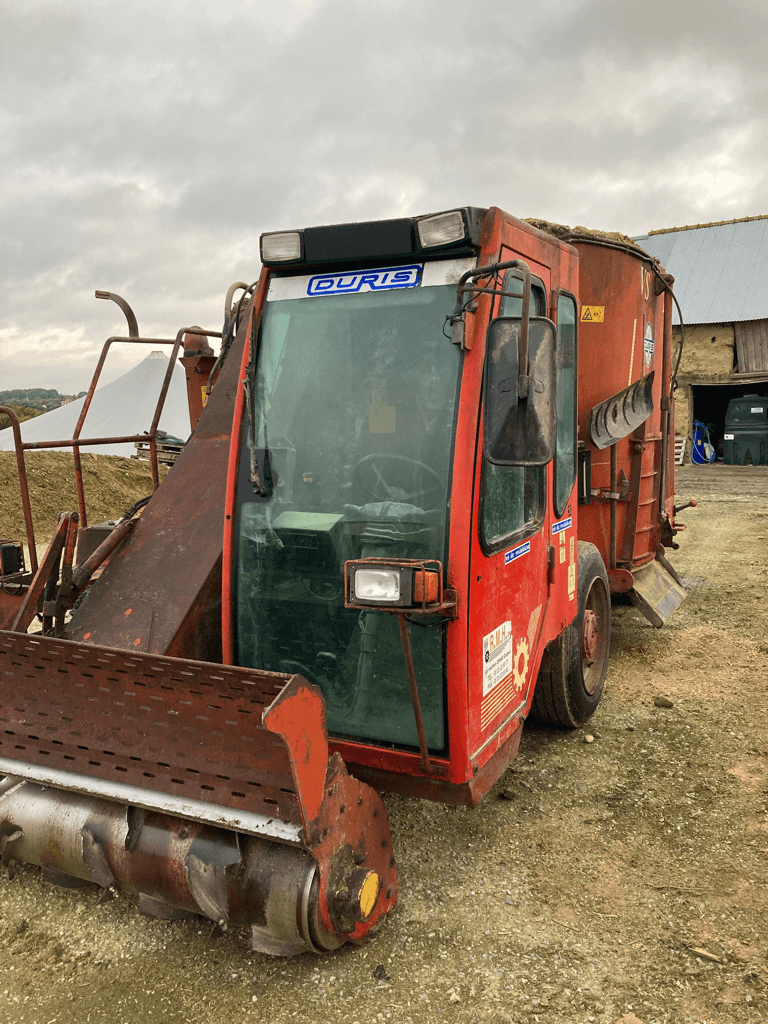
(616,880)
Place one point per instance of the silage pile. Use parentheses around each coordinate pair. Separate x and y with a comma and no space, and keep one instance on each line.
(111,484)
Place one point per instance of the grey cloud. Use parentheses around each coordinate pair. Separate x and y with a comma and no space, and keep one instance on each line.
(146,146)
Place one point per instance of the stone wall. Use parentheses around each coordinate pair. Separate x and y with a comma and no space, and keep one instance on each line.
(708,350)
(684,410)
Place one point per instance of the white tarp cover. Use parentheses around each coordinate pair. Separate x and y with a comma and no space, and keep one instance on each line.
(126,406)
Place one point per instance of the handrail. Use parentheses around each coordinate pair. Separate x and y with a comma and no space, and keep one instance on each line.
(23,484)
(76,442)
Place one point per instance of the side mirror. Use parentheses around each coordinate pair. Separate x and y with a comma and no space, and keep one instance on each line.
(520,406)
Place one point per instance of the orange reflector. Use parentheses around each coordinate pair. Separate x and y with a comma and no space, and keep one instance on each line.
(368,893)
(425,587)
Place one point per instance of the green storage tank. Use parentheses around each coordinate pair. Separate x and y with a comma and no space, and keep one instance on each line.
(745,441)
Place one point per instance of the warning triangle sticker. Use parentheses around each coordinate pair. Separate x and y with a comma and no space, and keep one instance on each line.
(586,315)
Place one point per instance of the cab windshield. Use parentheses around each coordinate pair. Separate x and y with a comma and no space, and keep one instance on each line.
(350,435)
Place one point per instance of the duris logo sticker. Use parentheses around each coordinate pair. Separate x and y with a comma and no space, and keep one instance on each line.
(364,281)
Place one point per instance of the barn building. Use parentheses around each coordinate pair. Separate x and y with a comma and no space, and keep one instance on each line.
(721,283)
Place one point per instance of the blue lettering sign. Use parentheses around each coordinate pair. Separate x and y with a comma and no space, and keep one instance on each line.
(369,280)
(521,549)
(564,524)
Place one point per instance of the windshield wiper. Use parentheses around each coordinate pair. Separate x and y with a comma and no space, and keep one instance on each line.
(261,476)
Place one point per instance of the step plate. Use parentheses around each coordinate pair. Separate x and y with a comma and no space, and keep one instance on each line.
(188,729)
(655,593)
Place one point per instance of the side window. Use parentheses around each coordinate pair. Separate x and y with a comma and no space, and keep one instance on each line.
(565,455)
(513,306)
(512,497)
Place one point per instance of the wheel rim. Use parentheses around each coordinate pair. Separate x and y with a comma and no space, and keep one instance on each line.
(595,635)
(590,636)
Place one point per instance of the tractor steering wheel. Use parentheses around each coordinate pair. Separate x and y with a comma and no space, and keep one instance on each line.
(369,476)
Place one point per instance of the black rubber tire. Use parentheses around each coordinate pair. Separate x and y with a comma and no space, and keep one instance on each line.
(569,687)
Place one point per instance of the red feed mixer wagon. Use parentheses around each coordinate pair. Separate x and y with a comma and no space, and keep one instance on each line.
(430,450)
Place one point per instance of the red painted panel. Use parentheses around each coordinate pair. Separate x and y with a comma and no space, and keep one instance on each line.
(513,600)
(228,567)
(621,339)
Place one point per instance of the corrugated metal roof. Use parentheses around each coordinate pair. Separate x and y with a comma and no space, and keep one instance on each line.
(720,271)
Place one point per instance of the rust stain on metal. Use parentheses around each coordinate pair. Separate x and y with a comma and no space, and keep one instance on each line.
(185,728)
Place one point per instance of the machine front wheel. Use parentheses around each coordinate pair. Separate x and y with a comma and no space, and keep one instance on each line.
(573,669)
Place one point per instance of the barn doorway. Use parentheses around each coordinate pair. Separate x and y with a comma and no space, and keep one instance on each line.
(710,404)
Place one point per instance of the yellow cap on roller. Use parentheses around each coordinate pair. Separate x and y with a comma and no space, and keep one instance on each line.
(369,890)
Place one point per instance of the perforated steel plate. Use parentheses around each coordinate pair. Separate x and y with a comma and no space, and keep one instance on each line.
(184,728)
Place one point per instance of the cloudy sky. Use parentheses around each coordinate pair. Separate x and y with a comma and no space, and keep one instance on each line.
(146,145)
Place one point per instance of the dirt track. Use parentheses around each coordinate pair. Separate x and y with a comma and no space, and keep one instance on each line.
(623,880)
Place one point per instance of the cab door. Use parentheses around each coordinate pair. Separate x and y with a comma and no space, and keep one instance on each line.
(508,567)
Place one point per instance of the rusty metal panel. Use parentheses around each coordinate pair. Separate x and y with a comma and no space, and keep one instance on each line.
(11,598)
(170,566)
(752,346)
(197,367)
(185,728)
(655,593)
(616,351)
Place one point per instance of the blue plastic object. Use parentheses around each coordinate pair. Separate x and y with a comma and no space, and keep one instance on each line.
(703,451)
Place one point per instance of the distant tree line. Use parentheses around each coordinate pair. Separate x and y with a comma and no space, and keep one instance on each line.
(24,412)
(29,402)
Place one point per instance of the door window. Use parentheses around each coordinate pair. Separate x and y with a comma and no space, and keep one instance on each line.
(565,455)
(512,497)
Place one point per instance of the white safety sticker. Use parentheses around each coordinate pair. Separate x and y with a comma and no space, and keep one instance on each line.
(728,437)
(571,582)
(497,656)
(758,409)
(648,345)
(564,524)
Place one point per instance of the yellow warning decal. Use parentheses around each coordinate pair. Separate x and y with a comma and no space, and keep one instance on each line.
(205,395)
(592,314)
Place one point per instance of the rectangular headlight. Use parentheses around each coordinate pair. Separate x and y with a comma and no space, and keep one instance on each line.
(377,585)
(441,229)
(281,247)
(384,584)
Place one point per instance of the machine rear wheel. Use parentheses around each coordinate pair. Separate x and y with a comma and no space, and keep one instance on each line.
(574,666)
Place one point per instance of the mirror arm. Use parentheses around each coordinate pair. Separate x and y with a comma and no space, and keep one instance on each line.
(523,380)
(488,271)
(456,318)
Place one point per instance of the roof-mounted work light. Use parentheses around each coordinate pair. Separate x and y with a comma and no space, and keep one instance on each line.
(442,229)
(281,247)
(382,242)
